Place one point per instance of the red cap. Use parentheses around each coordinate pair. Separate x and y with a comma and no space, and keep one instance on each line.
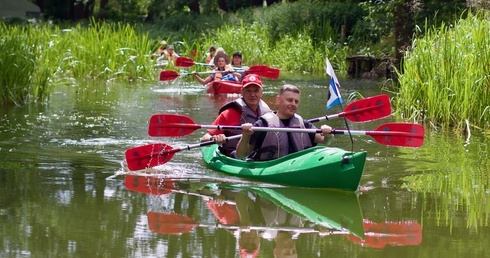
(251,79)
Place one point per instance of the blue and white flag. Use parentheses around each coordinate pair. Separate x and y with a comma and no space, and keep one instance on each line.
(334,97)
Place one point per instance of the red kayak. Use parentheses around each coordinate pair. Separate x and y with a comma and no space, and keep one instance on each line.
(224,87)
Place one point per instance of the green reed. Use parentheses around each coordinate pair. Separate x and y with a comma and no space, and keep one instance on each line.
(118,51)
(35,57)
(294,53)
(445,80)
(106,51)
(21,80)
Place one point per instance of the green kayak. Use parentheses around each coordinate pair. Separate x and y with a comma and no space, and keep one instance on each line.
(317,167)
(332,209)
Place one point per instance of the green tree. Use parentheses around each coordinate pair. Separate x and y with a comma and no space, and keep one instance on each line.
(400,18)
(66,10)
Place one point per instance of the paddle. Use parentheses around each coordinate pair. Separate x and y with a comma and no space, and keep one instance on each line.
(177,224)
(160,186)
(394,134)
(260,70)
(183,61)
(363,110)
(378,235)
(148,185)
(157,154)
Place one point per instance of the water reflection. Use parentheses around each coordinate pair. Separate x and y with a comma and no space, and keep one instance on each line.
(274,220)
(55,158)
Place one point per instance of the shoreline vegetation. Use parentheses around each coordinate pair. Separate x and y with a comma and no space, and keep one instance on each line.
(446,80)
(444,84)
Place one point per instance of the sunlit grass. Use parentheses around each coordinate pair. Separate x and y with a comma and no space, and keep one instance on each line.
(35,57)
(446,80)
(297,53)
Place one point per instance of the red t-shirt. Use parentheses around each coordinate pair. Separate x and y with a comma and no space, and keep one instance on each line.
(230,116)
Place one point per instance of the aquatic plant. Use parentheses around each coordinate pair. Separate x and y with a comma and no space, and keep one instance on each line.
(33,57)
(445,80)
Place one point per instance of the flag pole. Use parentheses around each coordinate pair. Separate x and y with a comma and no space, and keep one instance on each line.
(334,97)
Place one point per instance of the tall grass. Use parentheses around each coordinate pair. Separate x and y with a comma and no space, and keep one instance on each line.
(446,80)
(21,78)
(35,57)
(118,51)
(108,51)
(294,53)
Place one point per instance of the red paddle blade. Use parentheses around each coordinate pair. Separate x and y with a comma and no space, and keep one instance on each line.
(169,224)
(167,75)
(184,61)
(390,233)
(148,185)
(264,70)
(368,109)
(171,125)
(148,156)
(400,232)
(399,134)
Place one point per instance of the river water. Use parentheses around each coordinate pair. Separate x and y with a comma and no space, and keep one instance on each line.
(63,193)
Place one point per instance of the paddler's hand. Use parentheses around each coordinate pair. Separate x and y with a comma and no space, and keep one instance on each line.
(219,139)
(247,129)
(326,136)
(325,129)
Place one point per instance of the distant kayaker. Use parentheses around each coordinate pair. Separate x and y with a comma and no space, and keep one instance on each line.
(161,51)
(236,63)
(219,50)
(211,53)
(246,109)
(170,54)
(223,71)
(272,145)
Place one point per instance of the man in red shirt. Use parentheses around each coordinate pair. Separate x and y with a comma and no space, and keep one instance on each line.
(246,109)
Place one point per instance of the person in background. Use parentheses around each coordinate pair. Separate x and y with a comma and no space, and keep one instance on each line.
(211,53)
(272,145)
(170,54)
(237,63)
(246,109)
(222,72)
(161,51)
(219,50)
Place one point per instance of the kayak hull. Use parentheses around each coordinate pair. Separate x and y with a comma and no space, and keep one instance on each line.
(224,87)
(332,209)
(317,167)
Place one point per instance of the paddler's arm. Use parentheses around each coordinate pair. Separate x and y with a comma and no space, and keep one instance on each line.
(201,80)
(236,74)
(325,136)
(229,69)
(243,148)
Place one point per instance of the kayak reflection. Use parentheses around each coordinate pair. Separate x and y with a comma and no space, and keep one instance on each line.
(278,214)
